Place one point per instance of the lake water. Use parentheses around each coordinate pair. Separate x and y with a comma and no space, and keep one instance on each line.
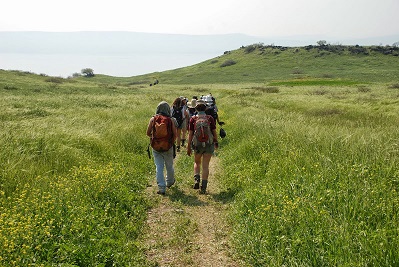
(120,65)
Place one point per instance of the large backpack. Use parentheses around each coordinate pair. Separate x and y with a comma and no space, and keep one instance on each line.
(210,110)
(202,131)
(162,133)
(178,115)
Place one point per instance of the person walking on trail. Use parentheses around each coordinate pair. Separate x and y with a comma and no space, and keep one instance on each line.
(211,108)
(179,113)
(186,118)
(202,139)
(191,109)
(162,132)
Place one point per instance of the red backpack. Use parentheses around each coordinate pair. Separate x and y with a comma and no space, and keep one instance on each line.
(202,131)
(162,133)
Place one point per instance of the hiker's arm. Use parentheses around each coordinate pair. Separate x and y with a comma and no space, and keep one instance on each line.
(190,139)
(214,133)
(174,129)
(218,120)
(190,136)
(149,127)
(187,117)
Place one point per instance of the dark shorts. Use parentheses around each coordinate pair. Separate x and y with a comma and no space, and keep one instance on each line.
(207,149)
(183,125)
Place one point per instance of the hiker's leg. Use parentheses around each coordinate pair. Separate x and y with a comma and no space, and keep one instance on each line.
(183,132)
(178,139)
(205,166)
(170,171)
(204,184)
(197,169)
(205,172)
(197,163)
(159,166)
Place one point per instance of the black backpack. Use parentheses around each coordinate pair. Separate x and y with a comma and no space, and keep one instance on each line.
(178,115)
(210,110)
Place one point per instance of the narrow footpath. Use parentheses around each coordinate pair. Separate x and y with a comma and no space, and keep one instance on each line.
(186,228)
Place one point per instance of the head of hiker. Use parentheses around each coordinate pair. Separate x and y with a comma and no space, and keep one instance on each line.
(192,103)
(163,108)
(200,105)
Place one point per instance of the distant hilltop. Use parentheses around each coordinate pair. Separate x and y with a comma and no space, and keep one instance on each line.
(134,42)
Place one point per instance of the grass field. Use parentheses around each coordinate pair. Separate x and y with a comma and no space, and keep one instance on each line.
(315,176)
(310,163)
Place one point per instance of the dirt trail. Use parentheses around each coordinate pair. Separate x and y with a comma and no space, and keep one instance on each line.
(186,228)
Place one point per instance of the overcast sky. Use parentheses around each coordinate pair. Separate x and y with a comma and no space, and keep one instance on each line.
(265,18)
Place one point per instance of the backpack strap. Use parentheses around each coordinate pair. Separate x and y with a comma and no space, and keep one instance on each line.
(153,125)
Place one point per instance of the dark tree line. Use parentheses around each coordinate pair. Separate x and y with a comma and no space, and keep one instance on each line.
(322,45)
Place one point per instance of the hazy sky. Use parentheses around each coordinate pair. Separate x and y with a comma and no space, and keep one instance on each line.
(266,18)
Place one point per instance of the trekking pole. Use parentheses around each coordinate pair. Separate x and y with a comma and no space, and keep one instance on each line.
(148,151)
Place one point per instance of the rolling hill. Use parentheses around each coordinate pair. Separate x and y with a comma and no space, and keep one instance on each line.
(258,63)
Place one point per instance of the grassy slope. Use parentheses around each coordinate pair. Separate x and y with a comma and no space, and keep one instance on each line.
(268,64)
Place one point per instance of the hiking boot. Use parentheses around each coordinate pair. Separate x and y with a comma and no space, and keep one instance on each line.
(196,181)
(170,185)
(203,186)
(196,185)
(161,193)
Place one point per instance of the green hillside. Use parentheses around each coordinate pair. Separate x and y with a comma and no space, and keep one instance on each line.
(268,64)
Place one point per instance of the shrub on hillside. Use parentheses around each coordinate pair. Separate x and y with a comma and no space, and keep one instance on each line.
(327,75)
(363,89)
(250,48)
(87,72)
(55,80)
(358,50)
(269,89)
(10,87)
(297,71)
(228,62)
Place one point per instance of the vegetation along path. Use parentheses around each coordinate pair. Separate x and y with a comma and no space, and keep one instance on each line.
(186,228)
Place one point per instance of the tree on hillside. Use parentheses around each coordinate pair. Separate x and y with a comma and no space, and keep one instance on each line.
(88,72)
(322,42)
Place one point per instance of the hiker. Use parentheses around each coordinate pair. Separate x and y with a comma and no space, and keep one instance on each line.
(186,118)
(179,114)
(212,108)
(162,132)
(191,109)
(202,138)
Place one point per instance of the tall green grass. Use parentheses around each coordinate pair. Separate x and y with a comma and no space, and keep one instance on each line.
(315,176)
(73,170)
